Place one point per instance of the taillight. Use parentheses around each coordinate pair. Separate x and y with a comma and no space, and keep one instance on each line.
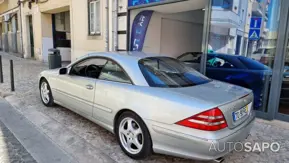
(211,120)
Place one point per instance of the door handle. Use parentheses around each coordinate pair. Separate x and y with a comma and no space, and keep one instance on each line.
(90,87)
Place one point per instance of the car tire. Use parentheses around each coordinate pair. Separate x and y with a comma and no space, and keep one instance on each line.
(45,93)
(141,147)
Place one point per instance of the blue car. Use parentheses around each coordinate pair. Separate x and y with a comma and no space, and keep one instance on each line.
(234,69)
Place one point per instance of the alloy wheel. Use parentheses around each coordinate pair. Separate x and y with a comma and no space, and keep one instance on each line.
(45,92)
(131,135)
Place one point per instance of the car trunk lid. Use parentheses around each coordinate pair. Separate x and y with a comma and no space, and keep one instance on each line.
(228,98)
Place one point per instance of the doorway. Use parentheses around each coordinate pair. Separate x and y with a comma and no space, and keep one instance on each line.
(238,45)
(31,36)
(170,29)
(62,34)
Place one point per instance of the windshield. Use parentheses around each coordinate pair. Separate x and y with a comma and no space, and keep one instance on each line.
(252,64)
(169,72)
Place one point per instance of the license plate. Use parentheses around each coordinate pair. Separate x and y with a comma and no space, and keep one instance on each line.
(240,113)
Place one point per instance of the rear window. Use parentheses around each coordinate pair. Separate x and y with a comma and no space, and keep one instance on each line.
(169,72)
(252,64)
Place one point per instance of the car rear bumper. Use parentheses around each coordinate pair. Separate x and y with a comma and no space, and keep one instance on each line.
(169,142)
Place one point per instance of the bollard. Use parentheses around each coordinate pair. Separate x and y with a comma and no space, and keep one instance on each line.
(12,76)
(1,70)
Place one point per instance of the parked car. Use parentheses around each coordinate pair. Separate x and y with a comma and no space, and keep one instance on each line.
(234,69)
(152,103)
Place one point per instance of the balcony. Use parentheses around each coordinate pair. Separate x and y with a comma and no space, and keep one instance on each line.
(257,9)
(224,18)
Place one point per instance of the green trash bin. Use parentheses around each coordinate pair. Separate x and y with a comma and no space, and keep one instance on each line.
(54,59)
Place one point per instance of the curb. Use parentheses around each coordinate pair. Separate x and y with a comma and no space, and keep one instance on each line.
(5,94)
(37,143)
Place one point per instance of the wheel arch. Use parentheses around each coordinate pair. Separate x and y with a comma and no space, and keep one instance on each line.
(119,113)
(40,80)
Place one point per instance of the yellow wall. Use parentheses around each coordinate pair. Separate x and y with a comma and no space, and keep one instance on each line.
(42,26)
(82,43)
(8,5)
(4,7)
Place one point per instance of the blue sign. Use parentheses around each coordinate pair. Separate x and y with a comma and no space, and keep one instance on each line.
(254,34)
(255,28)
(256,22)
(139,29)
(141,2)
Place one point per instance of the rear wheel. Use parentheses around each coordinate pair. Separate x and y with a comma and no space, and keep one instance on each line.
(45,93)
(133,136)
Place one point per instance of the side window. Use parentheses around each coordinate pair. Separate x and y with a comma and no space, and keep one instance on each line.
(88,68)
(94,17)
(113,72)
(217,62)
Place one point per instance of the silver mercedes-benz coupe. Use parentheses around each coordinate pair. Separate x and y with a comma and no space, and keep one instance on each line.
(153,103)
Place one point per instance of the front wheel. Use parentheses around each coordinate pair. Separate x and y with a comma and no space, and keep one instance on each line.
(133,136)
(45,93)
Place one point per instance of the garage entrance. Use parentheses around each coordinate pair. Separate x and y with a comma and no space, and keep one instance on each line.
(171,29)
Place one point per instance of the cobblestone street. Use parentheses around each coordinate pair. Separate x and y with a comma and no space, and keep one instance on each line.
(87,142)
(11,150)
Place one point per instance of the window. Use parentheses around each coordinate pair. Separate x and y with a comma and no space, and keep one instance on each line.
(89,68)
(113,72)
(191,57)
(217,62)
(169,72)
(94,17)
(62,22)
(227,4)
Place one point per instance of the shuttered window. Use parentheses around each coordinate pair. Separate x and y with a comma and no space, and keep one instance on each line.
(94,17)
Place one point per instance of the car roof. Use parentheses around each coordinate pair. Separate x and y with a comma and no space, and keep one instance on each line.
(123,55)
(127,60)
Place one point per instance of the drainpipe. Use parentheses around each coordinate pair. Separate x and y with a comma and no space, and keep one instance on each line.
(115,33)
(21,29)
(107,26)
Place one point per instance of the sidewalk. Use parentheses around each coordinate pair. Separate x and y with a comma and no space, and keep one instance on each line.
(11,149)
(87,142)
(23,142)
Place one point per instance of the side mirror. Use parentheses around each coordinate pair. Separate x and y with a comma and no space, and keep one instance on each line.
(63,71)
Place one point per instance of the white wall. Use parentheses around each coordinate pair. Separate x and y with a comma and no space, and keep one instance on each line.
(173,34)
(178,37)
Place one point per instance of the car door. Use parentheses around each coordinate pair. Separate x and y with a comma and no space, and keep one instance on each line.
(222,69)
(77,87)
(110,91)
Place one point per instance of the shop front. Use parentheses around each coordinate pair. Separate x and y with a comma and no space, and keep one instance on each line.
(241,42)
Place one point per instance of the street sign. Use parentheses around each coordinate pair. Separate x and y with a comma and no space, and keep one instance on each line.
(256,22)
(254,34)
(255,28)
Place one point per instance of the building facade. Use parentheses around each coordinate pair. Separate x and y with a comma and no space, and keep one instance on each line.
(73,27)
(10,27)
